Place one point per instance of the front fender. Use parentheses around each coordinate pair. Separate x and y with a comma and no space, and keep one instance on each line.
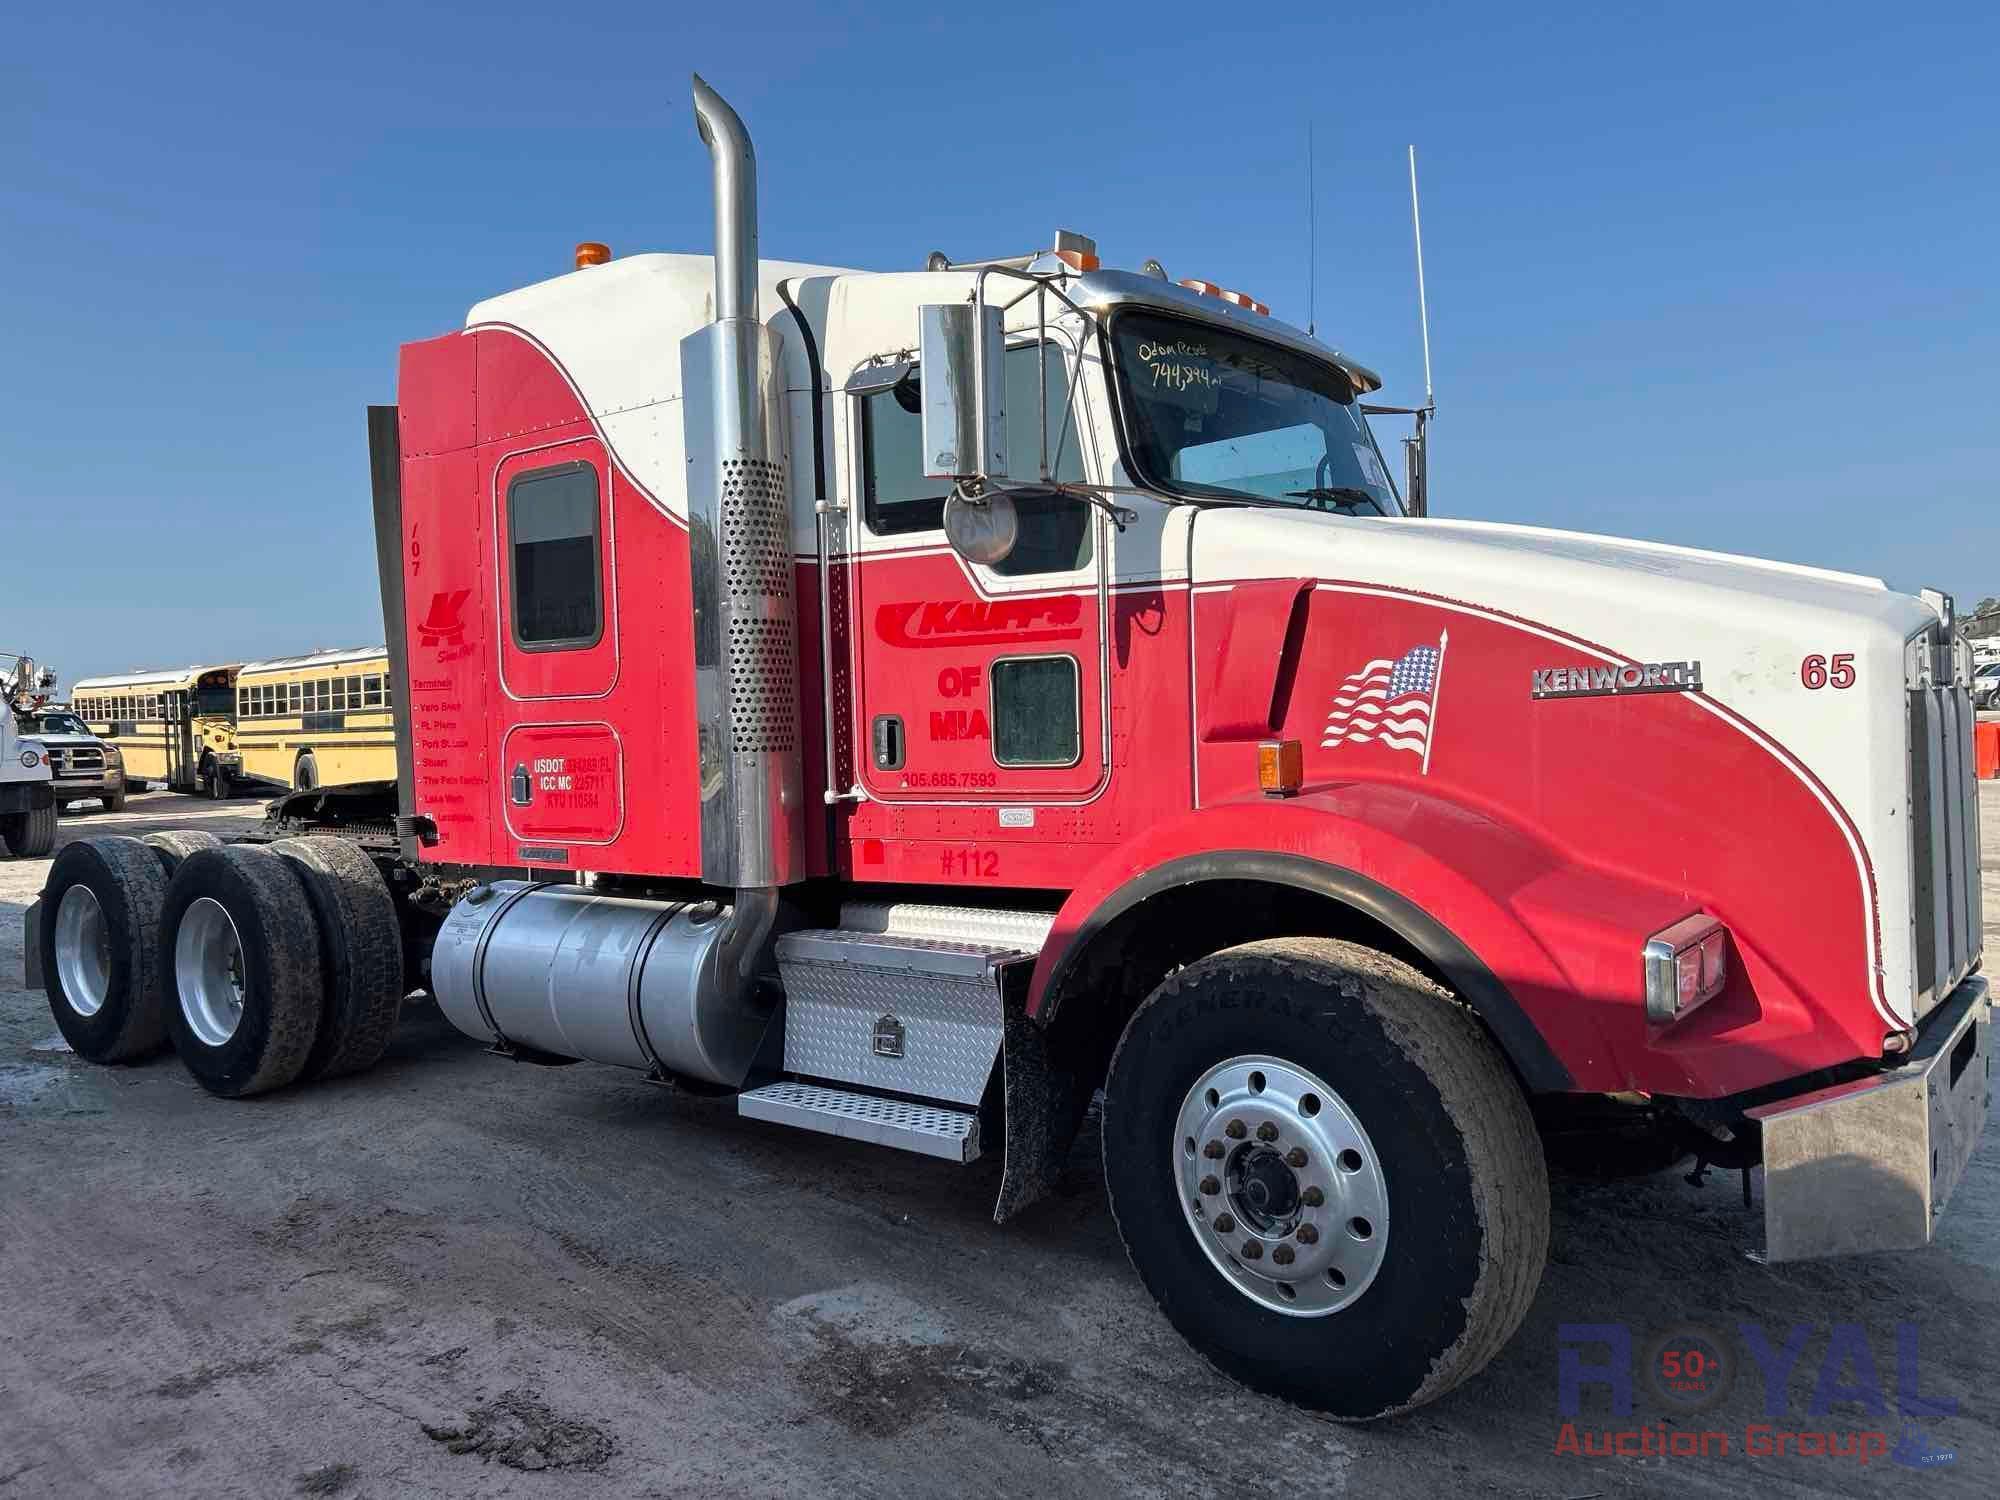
(1545,949)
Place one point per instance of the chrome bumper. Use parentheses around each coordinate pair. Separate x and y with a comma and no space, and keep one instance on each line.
(1869,1165)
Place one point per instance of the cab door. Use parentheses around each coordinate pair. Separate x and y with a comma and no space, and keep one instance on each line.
(973,684)
(563,773)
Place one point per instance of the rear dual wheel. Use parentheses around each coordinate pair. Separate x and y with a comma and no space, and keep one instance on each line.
(241,957)
(1326,1175)
(99,938)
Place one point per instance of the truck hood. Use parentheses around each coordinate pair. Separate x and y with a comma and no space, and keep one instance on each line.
(67,741)
(1764,633)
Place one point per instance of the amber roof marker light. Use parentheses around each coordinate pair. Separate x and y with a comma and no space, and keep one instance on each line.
(592,253)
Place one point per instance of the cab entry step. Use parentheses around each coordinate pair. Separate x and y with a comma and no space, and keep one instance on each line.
(952,1134)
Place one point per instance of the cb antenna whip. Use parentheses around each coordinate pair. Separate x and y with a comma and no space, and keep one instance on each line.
(1423,310)
(1312,237)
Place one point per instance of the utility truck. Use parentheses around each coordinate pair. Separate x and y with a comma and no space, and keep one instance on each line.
(27,782)
(925,705)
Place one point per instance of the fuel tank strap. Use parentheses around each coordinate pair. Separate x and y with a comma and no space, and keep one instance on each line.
(478,965)
(634,987)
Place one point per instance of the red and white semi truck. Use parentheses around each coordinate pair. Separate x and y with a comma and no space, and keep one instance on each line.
(924,703)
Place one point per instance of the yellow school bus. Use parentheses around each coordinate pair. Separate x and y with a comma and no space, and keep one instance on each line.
(318,720)
(175,727)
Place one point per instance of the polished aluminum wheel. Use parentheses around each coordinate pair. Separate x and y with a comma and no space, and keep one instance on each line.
(1281,1186)
(83,951)
(208,971)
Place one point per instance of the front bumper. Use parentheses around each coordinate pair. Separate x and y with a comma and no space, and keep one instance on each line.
(91,784)
(1870,1164)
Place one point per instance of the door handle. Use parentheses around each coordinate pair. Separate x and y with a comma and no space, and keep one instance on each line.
(886,736)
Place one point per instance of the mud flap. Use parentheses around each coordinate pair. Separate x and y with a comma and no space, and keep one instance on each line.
(1044,1107)
(31,945)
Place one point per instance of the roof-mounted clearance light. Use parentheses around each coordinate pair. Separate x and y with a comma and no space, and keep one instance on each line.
(592,253)
(1209,289)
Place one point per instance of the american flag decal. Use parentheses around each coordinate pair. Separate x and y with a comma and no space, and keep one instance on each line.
(1391,701)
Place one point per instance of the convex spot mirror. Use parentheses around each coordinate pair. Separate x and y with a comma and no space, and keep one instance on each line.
(961,354)
(982,530)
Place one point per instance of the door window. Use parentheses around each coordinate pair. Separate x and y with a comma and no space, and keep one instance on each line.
(1037,711)
(898,499)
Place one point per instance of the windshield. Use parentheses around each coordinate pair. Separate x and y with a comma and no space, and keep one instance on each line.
(215,698)
(1215,414)
(53,724)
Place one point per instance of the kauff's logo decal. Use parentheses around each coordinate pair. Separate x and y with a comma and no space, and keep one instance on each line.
(1597,681)
(980,622)
(443,625)
(1391,701)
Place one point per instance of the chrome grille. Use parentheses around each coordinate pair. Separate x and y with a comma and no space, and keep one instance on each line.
(1945,914)
(71,760)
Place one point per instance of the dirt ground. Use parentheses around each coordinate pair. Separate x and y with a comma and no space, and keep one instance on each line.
(458,1276)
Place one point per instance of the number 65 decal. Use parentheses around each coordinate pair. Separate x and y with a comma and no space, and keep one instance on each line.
(1818,671)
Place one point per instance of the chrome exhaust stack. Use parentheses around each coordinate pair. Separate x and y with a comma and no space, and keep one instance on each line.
(740,535)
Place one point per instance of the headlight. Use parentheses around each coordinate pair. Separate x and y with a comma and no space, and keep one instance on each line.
(112,757)
(31,758)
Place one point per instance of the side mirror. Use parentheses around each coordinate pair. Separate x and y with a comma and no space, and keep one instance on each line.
(982,530)
(962,359)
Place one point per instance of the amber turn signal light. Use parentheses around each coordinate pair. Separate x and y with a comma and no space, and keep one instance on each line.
(1281,767)
(592,253)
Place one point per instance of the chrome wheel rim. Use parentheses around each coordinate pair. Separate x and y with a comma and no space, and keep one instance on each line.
(1281,1186)
(83,951)
(208,971)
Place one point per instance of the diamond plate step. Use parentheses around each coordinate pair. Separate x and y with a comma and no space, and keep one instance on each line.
(951,1134)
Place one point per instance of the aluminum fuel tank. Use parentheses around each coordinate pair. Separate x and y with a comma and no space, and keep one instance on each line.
(610,979)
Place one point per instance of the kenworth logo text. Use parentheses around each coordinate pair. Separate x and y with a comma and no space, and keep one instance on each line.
(1611,682)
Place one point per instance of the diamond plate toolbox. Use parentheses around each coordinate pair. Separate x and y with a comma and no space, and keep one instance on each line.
(907,1015)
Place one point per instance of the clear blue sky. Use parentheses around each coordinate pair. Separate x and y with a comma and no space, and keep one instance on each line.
(1721,276)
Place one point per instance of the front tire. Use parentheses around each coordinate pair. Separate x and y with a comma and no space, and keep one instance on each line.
(31,834)
(114,801)
(305,774)
(240,960)
(1326,1175)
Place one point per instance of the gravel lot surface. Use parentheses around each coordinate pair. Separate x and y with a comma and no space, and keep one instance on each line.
(458,1276)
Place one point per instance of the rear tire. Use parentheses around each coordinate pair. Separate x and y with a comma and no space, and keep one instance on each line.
(362,945)
(240,963)
(100,937)
(172,848)
(305,774)
(31,834)
(1413,1231)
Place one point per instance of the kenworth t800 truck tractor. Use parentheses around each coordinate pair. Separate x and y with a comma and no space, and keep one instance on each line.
(923,704)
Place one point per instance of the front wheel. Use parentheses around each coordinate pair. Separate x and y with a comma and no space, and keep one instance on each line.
(1326,1175)
(305,774)
(31,834)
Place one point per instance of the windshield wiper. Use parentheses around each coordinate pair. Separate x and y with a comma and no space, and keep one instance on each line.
(1339,494)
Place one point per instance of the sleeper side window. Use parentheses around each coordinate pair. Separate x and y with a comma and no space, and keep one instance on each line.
(552,527)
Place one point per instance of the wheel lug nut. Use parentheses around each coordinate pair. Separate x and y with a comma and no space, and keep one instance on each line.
(1312,1197)
(1282,1254)
(1307,1235)
(1252,1250)
(1210,1187)
(1224,1224)
(1296,1157)
(1214,1150)
(1235,1130)
(1267,1132)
